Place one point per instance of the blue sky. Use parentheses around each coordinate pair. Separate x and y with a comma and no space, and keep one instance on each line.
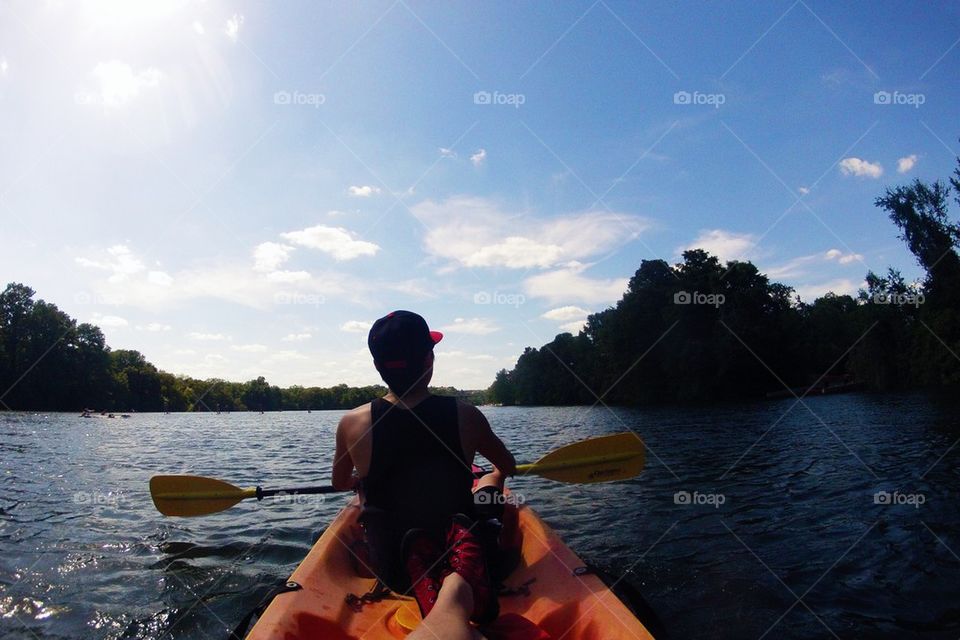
(238,189)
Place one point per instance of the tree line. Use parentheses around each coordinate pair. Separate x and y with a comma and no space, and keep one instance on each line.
(703,331)
(690,332)
(50,362)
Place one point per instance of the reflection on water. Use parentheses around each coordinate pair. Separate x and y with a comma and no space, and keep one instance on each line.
(845,502)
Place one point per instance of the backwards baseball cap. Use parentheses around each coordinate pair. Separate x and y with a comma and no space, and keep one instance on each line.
(400,340)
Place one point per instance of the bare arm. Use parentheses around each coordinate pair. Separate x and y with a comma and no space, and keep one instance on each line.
(342,462)
(489,445)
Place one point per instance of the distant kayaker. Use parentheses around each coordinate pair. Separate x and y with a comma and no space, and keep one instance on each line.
(409,454)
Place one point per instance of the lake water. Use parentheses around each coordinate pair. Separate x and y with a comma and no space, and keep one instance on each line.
(749,521)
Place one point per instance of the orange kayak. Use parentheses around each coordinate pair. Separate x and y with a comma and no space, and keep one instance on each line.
(548,588)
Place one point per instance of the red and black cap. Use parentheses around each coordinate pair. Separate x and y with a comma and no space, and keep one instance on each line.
(400,340)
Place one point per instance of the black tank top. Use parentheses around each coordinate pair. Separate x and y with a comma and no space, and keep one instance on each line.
(418,474)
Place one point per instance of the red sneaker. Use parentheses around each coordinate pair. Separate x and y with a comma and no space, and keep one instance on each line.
(421,557)
(465,557)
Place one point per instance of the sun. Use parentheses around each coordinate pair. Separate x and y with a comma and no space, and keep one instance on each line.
(129,14)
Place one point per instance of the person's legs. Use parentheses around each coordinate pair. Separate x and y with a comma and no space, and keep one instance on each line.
(493,479)
(379,553)
(448,619)
(488,508)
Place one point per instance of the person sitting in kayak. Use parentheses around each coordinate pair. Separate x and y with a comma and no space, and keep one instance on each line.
(409,454)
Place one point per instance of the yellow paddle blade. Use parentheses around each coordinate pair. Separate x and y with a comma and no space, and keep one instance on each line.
(194,495)
(600,459)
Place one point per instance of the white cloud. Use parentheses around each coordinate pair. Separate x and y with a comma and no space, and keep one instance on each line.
(801,266)
(841,286)
(356,326)
(726,245)
(860,168)
(198,27)
(447,153)
(154,327)
(364,191)
(841,257)
(110,322)
(475,232)
(417,288)
(296,337)
(336,241)
(515,252)
(268,256)
(4,65)
(906,163)
(471,326)
(128,281)
(574,327)
(570,285)
(233,26)
(119,83)
(286,355)
(479,157)
(288,276)
(120,261)
(208,337)
(160,278)
(249,348)
(566,314)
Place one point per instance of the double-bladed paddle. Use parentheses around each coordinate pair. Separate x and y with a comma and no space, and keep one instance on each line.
(600,459)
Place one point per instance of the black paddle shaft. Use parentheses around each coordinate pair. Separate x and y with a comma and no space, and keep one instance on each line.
(306,491)
(302,491)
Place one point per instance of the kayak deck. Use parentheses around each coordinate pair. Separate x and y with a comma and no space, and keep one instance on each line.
(556,599)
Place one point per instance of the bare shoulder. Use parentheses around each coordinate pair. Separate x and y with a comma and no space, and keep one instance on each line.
(471,416)
(357,419)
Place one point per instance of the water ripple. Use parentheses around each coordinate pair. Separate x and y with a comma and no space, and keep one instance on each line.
(84,553)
